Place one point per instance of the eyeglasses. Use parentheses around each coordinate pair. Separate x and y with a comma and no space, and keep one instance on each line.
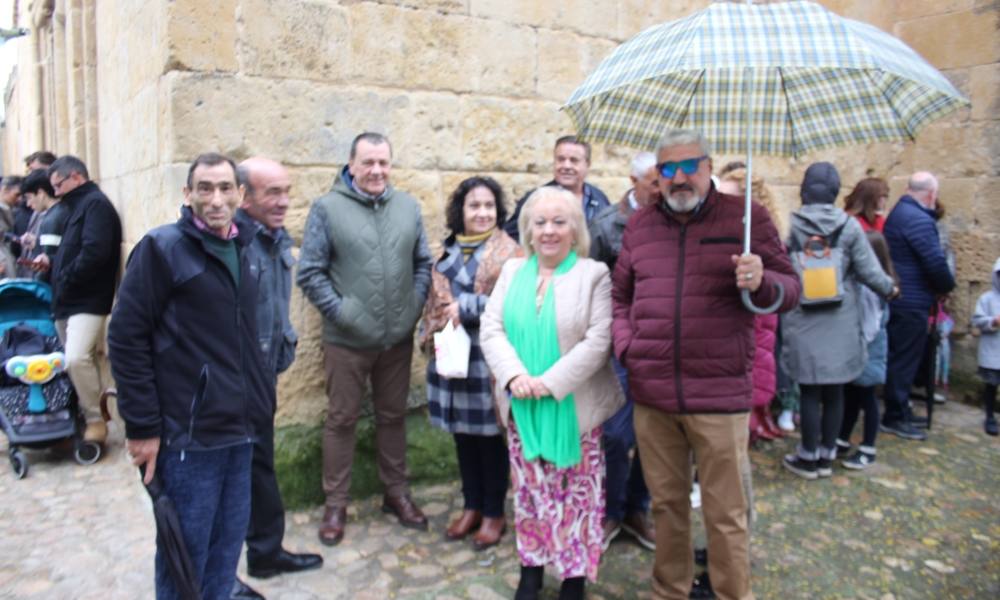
(688,166)
(57,185)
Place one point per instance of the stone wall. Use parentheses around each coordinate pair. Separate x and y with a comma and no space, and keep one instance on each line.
(461,87)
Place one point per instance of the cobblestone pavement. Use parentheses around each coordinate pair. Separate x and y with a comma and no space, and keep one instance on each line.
(922,523)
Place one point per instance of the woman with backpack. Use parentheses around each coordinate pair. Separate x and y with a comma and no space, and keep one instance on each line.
(823,345)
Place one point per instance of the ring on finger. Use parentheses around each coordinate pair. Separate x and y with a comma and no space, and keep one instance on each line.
(748,276)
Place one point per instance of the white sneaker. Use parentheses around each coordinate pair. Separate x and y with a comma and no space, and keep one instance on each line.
(696,496)
(785,421)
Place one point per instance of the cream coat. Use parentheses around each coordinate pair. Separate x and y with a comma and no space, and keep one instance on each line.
(583,320)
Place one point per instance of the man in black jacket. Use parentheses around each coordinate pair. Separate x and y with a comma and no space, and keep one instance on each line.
(570,165)
(193,387)
(83,275)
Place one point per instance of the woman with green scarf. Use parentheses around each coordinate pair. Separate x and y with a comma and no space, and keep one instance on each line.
(546,336)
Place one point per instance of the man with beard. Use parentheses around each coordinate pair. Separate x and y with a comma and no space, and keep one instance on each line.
(687,343)
(571,163)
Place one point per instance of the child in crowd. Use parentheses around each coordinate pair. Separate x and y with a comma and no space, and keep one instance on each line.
(860,394)
(987,319)
(944,324)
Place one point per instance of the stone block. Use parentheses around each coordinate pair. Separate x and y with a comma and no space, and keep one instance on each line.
(509,135)
(960,39)
(301,122)
(133,35)
(201,36)
(565,60)
(975,253)
(958,149)
(905,10)
(874,12)
(425,50)
(983,90)
(301,389)
(302,39)
(637,15)
(592,18)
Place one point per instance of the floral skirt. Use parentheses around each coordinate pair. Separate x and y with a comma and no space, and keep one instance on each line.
(558,512)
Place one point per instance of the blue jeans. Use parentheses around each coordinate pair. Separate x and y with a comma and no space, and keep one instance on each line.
(211,492)
(626,489)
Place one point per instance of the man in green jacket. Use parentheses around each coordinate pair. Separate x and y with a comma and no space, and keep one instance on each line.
(366,266)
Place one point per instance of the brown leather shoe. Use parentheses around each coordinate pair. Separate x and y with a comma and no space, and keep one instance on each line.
(489,533)
(464,524)
(331,529)
(637,525)
(405,510)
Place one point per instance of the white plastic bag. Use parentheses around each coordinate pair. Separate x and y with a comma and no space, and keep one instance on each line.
(451,352)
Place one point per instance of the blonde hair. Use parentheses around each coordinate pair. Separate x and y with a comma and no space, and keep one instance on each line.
(577,221)
(760,194)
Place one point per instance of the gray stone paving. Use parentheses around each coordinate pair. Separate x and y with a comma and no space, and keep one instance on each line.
(86,532)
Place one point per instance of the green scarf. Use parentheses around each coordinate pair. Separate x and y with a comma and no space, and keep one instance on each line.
(548,427)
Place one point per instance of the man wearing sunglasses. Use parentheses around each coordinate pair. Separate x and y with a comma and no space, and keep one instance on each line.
(687,343)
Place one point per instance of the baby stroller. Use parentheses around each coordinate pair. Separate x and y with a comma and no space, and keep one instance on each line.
(38,405)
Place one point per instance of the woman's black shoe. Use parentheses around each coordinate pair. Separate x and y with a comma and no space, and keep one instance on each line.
(531,582)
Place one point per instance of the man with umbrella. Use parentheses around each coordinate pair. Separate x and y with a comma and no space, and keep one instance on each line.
(686,341)
(193,386)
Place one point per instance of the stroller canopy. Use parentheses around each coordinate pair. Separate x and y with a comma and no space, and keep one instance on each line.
(26,301)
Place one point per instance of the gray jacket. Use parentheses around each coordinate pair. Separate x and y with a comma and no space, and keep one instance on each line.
(271,260)
(606,230)
(365,265)
(825,345)
(987,309)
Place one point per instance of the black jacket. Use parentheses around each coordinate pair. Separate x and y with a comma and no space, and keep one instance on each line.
(179,312)
(594,201)
(85,268)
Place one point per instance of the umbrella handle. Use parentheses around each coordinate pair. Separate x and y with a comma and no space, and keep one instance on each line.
(748,303)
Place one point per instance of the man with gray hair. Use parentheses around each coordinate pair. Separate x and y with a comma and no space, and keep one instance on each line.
(687,342)
(366,266)
(627,499)
(923,273)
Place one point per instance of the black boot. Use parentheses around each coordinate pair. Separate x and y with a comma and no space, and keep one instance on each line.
(531,582)
(572,588)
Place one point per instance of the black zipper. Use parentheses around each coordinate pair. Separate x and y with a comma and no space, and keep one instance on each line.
(678,295)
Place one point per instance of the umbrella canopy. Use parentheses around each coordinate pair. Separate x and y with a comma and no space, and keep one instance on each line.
(801,76)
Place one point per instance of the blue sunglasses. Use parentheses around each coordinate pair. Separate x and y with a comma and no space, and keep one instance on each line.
(688,166)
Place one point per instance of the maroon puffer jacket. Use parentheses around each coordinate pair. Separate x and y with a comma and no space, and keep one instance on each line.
(679,325)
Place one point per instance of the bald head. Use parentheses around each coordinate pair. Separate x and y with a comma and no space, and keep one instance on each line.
(923,187)
(268,186)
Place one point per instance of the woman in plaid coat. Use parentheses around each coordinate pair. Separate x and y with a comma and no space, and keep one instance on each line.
(461,282)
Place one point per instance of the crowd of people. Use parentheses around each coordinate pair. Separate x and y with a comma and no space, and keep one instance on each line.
(612,365)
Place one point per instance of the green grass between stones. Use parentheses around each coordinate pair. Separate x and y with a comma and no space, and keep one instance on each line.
(298,459)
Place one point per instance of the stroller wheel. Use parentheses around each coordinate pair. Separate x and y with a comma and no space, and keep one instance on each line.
(19,463)
(87,453)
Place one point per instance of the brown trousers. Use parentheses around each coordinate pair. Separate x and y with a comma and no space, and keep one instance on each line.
(347,374)
(719,443)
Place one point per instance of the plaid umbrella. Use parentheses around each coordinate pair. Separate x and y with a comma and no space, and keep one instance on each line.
(810,80)
(781,79)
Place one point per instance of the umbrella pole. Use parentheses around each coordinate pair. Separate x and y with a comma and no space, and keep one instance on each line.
(748,200)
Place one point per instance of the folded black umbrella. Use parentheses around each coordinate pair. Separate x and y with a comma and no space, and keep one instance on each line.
(170,539)
(169,535)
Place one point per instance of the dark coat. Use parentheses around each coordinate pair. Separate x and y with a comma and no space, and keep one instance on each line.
(271,261)
(179,311)
(85,267)
(594,201)
(916,253)
(680,328)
